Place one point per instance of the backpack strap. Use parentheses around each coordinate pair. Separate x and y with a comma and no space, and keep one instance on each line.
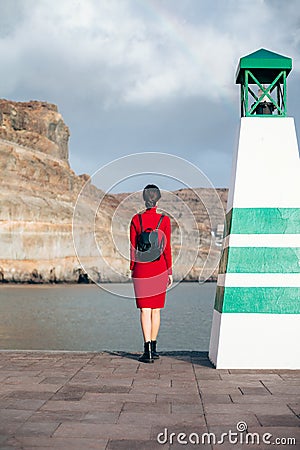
(160,221)
(141,222)
(157,226)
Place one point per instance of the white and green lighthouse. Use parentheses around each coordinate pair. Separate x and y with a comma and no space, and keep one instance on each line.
(256,318)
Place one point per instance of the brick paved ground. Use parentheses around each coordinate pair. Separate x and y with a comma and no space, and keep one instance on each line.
(82,401)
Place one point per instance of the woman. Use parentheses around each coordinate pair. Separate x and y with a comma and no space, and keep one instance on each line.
(150,278)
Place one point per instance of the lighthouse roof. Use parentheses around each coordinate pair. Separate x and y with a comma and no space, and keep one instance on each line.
(264,65)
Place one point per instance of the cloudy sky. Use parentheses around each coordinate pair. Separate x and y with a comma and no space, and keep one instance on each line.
(134,76)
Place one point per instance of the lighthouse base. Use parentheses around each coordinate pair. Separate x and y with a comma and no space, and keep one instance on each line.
(255,341)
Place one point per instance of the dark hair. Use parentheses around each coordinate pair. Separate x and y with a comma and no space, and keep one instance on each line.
(151,195)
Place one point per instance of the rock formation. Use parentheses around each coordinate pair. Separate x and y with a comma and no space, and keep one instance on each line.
(38,194)
(35,125)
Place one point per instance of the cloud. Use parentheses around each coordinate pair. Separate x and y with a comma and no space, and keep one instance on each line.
(143,75)
(137,52)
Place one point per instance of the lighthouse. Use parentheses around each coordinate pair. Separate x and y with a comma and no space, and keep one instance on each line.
(256,317)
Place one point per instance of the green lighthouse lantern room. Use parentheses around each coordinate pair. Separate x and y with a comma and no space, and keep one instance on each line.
(262,76)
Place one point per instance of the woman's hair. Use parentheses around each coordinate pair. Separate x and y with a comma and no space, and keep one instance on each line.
(151,195)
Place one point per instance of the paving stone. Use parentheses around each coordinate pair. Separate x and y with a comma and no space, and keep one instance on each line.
(179,399)
(150,375)
(295,407)
(191,408)
(55,380)
(29,387)
(290,375)
(193,390)
(208,376)
(14,414)
(286,420)
(172,374)
(49,443)
(189,446)
(27,404)
(220,390)
(37,429)
(100,388)
(147,407)
(161,418)
(112,380)
(229,446)
(254,390)
(251,376)
(203,367)
(86,377)
(8,427)
(3,437)
(57,416)
(68,395)
(83,406)
(182,384)
(16,447)
(284,388)
(233,408)
(229,383)
(216,398)
(3,378)
(270,399)
(21,379)
(230,420)
(123,373)
(104,430)
(126,444)
(100,417)
(130,397)
(32,395)
(156,382)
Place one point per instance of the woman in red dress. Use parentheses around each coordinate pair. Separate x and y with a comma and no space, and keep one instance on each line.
(151,278)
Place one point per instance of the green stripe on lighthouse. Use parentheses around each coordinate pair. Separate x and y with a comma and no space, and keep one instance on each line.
(267,300)
(263,221)
(260,260)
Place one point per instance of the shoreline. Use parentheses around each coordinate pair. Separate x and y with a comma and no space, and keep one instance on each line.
(75,283)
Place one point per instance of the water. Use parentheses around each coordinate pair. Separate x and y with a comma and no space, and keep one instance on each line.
(85,317)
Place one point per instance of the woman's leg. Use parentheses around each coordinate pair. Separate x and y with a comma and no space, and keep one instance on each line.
(155,323)
(146,323)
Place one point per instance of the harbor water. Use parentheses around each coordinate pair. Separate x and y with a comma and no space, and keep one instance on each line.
(89,318)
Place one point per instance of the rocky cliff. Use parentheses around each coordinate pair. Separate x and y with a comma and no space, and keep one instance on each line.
(38,194)
(35,125)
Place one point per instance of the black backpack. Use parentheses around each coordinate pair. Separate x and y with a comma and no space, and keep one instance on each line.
(148,246)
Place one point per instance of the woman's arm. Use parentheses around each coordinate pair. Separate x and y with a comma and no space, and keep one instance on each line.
(133,235)
(167,251)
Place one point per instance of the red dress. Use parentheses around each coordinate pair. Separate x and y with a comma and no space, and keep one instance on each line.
(150,279)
